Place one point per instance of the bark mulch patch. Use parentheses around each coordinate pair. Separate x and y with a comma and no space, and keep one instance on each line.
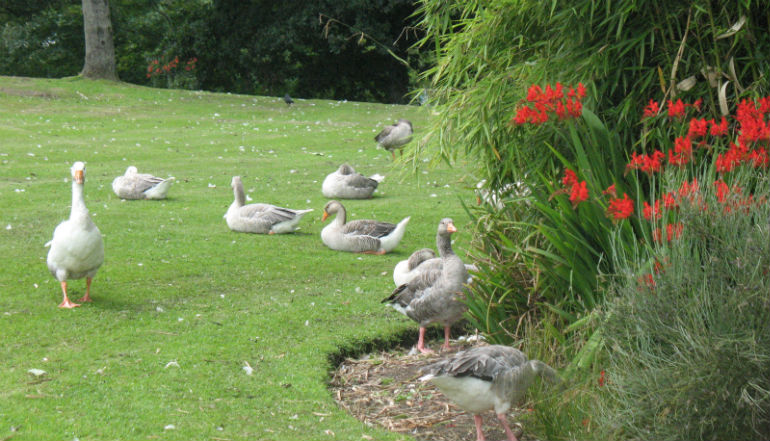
(383,389)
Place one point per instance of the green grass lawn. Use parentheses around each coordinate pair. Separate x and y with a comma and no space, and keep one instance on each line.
(176,284)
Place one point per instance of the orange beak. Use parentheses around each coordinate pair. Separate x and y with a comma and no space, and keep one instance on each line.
(325,216)
(79,176)
(451,228)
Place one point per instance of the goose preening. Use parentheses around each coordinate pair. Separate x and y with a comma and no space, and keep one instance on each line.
(346,183)
(135,185)
(76,250)
(395,136)
(497,198)
(421,260)
(360,236)
(259,218)
(487,377)
(435,295)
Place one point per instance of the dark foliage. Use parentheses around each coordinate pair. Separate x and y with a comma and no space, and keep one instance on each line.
(355,50)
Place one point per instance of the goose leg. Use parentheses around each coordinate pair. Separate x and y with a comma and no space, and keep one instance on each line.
(446,338)
(421,342)
(66,302)
(508,431)
(87,297)
(479,433)
(394,154)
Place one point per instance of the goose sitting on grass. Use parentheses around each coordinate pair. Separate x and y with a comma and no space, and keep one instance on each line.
(259,218)
(346,183)
(395,136)
(420,261)
(360,236)
(77,249)
(435,296)
(135,185)
(487,377)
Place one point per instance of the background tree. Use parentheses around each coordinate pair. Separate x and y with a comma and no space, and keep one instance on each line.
(100,49)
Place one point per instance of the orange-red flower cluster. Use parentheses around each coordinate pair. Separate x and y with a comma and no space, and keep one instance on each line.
(553,100)
(578,192)
(621,208)
(154,68)
(647,163)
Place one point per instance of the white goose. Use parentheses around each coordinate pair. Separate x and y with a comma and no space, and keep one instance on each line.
(259,218)
(487,377)
(135,185)
(345,183)
(395,136)
(420,261)
(360,236)
(76,250)
(435,296)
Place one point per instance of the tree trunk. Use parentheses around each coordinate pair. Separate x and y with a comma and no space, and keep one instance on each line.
(100,50)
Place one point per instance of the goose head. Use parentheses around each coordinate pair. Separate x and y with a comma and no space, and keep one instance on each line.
(405,121)
(446,227)
(345,169)
(332,207)
(236,182)
(131,170)
(79,172)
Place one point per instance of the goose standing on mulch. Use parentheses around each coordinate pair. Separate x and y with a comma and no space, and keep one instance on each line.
(421,260)
(395,136)
(360,236)
(435,296)
(259,218)
(77,249)
(346,183)
(487,377)
(135,185)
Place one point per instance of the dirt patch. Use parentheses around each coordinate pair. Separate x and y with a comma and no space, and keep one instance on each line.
(28,92)
(383,389)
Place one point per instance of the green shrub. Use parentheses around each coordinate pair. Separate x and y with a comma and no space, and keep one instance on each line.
(690,344)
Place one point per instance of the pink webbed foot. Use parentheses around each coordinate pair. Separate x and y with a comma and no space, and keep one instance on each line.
(67,304)
(421,342)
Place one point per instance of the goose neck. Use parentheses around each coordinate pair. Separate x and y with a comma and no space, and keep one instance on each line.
(78,203)
(240,195)
(444,245)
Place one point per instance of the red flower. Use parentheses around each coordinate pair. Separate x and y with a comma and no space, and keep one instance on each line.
(651,109)
(651,212)
(764,105)
(569,179)
(698,127)
(535,93)
(601,378)
(688,189)
(646,163)
(578,194)
(574,107)
(611,191)
(621,208)
(675,109)
(673,231)
(669,202)
(759,158)
(722,190)
(718,129)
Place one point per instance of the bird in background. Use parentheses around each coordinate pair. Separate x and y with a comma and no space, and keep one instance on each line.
(395,136)
(287,99)
(487,377)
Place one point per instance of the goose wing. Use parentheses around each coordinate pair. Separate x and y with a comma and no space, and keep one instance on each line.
(485,362)
(366,227)
(267,212)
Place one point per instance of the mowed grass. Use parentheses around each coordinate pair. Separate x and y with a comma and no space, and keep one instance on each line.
(176,284)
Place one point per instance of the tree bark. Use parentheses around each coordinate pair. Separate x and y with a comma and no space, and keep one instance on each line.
(100,49)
